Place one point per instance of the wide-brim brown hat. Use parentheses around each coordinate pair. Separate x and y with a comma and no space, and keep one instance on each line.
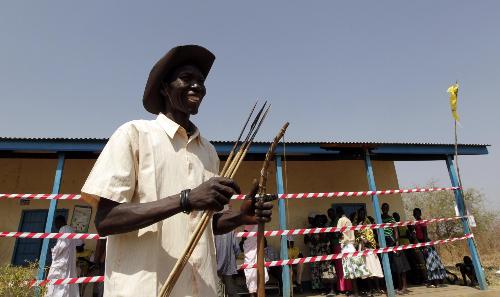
(178,56)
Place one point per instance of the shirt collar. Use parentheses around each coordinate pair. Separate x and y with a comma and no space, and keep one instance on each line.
(171,128)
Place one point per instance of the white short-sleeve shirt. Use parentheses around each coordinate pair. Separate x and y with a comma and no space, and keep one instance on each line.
(145,161)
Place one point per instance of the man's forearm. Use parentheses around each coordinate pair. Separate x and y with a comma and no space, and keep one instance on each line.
(115,218)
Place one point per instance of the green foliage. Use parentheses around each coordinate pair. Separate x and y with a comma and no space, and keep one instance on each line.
(14,280)
(442,205)
(486,234)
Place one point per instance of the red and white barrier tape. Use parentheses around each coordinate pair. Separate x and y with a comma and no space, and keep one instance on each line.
(342,229)
(67,281)
(42,196)
(239,234)
(51,235)
(98,279)
(352,194)
(242,197)
(358,253)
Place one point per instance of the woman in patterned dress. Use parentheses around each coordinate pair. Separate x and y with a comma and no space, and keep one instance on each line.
(318,245)
(366,239)
(436,272)
(353,267)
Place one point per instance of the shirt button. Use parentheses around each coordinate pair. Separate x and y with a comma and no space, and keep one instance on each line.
(190,166)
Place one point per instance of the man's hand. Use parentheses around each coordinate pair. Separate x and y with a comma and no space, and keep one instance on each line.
(251,213)
(256,211)
(213,194)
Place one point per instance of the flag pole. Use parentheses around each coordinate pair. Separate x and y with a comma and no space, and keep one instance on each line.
(461,189)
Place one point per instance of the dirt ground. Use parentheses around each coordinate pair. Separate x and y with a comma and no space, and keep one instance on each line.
(448,291)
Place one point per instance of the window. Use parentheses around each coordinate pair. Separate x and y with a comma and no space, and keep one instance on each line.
(28,249)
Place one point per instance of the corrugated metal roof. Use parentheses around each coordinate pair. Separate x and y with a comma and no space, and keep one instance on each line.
(320,142)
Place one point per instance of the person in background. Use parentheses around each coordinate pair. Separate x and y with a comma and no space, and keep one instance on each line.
(319,245)
(250,250)
(310,224)
(436,272)
(270,254)
(343,284)
(366,240)
(354,267)
(375,231)
(63,262)
(296,270)
(99,260)
(83,262)
(414,256)
(399,263)
(227,249)
(467,269)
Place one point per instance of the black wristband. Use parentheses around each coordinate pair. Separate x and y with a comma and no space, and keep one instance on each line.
(186,207)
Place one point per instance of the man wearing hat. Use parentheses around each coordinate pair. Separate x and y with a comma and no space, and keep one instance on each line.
(154,179)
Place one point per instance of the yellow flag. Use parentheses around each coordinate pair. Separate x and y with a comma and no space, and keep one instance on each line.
(453,90)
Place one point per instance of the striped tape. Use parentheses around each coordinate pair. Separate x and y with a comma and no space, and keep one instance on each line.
(67,281)
(242,197)
(42,196)
(353,194)
(354,254)
(342,229)
(51,235)
(240,234)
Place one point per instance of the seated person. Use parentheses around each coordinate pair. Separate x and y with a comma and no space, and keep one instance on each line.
(271,255)
(467,269)
(294,253)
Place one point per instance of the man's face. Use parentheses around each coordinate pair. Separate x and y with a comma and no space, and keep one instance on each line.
(331,213)
(185,90)
(385,208)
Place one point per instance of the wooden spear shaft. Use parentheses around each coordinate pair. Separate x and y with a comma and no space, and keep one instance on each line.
(261,281)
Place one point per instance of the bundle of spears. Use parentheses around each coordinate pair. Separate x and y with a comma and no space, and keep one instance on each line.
(233,162)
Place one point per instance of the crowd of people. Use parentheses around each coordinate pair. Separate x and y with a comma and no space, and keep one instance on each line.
(361,275)
(364,274)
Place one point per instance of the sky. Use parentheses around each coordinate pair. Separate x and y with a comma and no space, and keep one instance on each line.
(337,71)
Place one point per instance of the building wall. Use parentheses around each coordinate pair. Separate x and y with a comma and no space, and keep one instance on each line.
(36,176)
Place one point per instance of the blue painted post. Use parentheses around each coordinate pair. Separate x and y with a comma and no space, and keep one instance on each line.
(285,274)
(459,199)
(50,215)
(378,219)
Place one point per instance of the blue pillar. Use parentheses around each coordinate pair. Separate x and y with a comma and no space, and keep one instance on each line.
(378,219)
(459,199)
(50,215)
(285,275)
